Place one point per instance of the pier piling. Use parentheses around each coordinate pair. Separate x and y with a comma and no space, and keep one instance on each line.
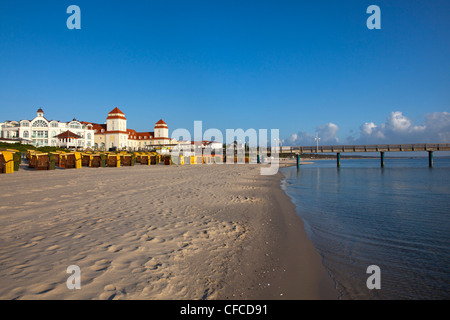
(382,159)
(430,159)
(338,159)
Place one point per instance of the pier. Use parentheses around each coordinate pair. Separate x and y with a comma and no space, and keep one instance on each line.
(381,148)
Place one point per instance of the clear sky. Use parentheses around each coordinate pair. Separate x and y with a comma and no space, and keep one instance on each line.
(304,67)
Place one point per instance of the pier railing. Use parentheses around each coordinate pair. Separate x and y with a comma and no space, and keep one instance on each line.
(368,148)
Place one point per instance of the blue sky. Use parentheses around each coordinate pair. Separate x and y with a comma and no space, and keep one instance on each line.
(300,66)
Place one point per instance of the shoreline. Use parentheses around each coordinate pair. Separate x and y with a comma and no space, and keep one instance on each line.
(156,232)
(306,278)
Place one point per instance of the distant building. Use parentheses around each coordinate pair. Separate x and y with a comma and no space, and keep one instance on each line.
(68,139)
(43,132)
(115,134)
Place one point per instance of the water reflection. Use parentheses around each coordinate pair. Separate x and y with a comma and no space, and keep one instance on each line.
(397,217)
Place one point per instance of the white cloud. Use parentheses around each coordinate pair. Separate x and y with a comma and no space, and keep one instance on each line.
(398,122)
(400,129)
(327,134)
(368,127)
(435,128)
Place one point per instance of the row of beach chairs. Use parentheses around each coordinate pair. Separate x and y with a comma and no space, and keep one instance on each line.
(10,160)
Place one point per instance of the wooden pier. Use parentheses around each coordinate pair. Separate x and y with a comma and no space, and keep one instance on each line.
(381,148)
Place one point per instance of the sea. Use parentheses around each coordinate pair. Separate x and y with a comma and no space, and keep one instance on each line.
(395,218)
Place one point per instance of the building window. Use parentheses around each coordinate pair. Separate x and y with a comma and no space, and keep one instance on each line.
(54,124)
(25,124)
(40,134)
(26,134)
(89,136)
(39,123)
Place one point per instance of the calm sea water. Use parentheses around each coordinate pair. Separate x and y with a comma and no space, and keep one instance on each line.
(397,218)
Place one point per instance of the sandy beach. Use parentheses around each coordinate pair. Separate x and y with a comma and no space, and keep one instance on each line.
(155,232)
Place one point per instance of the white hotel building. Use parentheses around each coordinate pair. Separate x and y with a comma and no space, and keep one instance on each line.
(43,132)
(114,133)
(81,134)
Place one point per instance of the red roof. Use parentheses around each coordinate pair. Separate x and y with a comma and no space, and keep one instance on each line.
(133,135)
(95,126)
(118,116)
(40,110)
(68,134)
(161,124)
(99,127)
(87,123)
(116,110)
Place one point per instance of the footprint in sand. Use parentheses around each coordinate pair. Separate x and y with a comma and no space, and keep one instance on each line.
(239,199)
(41,288)
(157,240)
(146,237)
(114,248)
(52,248)
(79,257)
(108,295)
(138,270)
(184,244)
(110,287)
(101,265)
(17,292)
(18,269)
(30,244)
(152,264)
(109,292)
